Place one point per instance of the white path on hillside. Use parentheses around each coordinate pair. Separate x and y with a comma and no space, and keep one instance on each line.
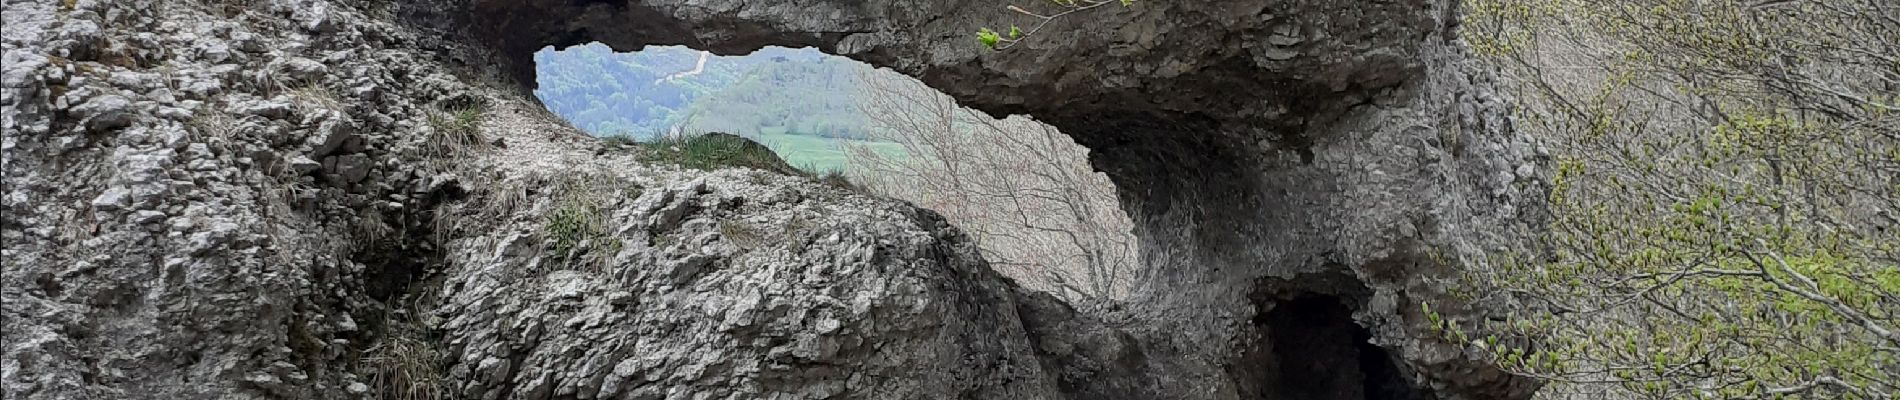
(697,68)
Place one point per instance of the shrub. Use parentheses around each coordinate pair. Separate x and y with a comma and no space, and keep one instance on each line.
(1722,198)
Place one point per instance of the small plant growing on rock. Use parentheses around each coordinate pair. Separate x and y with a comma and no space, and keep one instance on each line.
(577,228)
(405,364)
(317,97)
(743,234)
(1003,40)
(454,131)
(620,141)
(573,226)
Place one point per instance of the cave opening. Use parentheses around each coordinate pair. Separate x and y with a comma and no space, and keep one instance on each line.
(807,106)
(1311,349)
(1023,189)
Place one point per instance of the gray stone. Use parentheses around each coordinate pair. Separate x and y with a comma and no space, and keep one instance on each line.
(304,69)
(331,136)
(112,199)
(214,51)
(351,168)
(277,108)
(303,165)
(248,42)
(147,216)
(105,113)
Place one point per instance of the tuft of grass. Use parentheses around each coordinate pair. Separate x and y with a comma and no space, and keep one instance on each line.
(577,228)
(834,177)
(371,232)
(573,227)
(799,224)
(837,179)
(620,141)
(318,97)
(405,363)
(454,131)
(745,235)
(716,151)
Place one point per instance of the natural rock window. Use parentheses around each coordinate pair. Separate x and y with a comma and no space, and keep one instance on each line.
(801,103)
(1023,190)
(362,199)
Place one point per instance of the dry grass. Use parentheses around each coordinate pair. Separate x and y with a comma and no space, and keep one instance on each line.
(838,179)
(317,97)
(217,130)
(405,364)
(743,234)
(371,231)
(453,134)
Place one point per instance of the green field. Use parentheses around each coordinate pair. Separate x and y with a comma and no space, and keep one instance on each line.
(818,153)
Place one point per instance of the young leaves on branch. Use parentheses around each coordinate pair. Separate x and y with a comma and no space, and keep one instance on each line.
(997,41)
(987,37)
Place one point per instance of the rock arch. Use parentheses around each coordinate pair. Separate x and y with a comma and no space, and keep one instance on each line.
(1285,161)
(1255,143)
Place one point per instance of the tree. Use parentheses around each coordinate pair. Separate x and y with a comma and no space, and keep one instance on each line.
(1726,197)
(1022,189)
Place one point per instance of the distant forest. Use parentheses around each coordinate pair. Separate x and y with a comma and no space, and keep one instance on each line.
(650,92)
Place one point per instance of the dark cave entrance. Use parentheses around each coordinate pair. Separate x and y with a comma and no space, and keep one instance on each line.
(1309,347)
(1321,354)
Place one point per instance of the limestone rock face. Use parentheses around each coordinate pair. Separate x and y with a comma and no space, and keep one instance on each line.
(206,199)
(731,285)
(1267,150)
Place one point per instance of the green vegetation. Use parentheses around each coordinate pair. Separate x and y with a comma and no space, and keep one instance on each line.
(601,91)
(651,92)
(577,227)
(820,154)
(574,227)
(1057,9)
(714,151)
(817,98)
(800,103)
(1724,203)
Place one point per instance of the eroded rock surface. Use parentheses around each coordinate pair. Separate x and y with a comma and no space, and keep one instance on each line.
(737,284)
(1258,145)
(212,199)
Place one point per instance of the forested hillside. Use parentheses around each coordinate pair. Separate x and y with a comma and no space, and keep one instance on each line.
(814,98)
(649,92)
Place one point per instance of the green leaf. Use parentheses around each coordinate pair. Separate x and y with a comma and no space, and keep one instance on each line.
(987,37)
(1126,3)
(1015,33)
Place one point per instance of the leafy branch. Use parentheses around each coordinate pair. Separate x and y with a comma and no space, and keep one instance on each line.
(1004,40)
